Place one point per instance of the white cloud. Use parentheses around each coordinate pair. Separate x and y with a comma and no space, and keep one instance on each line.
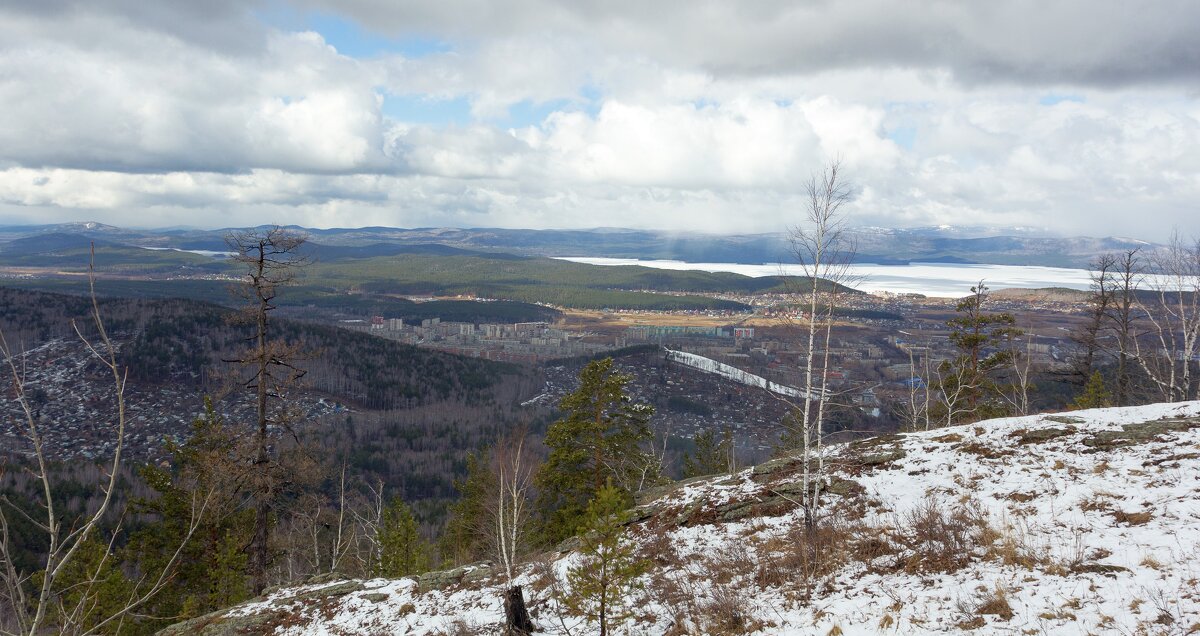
(710,117)
(151,102)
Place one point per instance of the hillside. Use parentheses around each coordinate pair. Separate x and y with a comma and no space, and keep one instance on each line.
(175,350)
(994,245)
(1082,523)
(375,273)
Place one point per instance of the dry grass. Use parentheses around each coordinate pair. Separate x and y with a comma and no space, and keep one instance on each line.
(993,602)
(940,537)
(463,628)
(804,557)
(1132,518)
(727,613)
(1149,561)
(1013,545)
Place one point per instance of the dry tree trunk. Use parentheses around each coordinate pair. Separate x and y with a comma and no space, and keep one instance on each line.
(272,260)
(516,616)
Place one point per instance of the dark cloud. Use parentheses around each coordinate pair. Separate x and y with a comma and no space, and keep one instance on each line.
(226,25)
(1087,42)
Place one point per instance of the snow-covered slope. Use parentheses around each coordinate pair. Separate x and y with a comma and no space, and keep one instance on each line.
(1081,523)
(708,365)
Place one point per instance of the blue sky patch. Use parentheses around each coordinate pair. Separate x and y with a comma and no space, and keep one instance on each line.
(904,136)
(347,36)
(422,109)
(1055,98)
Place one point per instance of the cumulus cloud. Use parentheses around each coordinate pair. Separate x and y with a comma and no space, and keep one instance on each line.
(1075,116)
(153,102)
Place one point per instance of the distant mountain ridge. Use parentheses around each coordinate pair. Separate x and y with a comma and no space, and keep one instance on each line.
(885,246)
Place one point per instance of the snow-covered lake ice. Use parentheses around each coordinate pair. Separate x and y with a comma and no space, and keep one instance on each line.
(930,279)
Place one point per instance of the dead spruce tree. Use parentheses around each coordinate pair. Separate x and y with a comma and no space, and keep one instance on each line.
(272,259)
(823,250)
(77,566)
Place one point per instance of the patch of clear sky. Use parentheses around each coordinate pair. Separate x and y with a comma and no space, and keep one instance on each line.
(350,39)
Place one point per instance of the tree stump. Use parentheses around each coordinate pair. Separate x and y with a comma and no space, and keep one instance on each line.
(516,616)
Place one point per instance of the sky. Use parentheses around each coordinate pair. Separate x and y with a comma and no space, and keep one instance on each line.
(1074,116)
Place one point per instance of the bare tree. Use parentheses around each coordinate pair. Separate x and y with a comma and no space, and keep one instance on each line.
(272,259)
(637,471)
(916,413)
(1088,338)
(509,512)
(1022,367)
(955,383)
(824,251)
(1127,278)
(368,520)
(1175,319)
(30,600)
(343,533)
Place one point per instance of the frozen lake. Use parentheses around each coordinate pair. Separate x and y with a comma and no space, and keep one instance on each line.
(930,279)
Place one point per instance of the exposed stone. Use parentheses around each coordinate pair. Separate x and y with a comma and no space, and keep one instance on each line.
(217,624)
(328,577)
(1038,435)
(771,467)
(885,457)
(877,451)
(843,487)
(1133,434)
(1064,419)
(445,578)
(338,589)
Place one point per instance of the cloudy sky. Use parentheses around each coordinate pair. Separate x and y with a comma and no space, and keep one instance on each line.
(1078,116)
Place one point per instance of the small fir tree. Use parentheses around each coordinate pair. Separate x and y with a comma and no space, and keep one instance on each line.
(462,541)
(205,471)
(712,456)
(402,549)
(1095,394)
(600,439)
(91,589)
(971,383)
(601,582)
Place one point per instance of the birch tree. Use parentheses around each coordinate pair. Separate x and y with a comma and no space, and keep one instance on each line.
(509,525)
(1175,318)
(823,250)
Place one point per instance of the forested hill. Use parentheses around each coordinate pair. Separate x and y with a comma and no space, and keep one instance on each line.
(184,342)
(376,274)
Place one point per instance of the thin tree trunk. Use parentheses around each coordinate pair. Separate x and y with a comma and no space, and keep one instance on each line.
(258,555)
